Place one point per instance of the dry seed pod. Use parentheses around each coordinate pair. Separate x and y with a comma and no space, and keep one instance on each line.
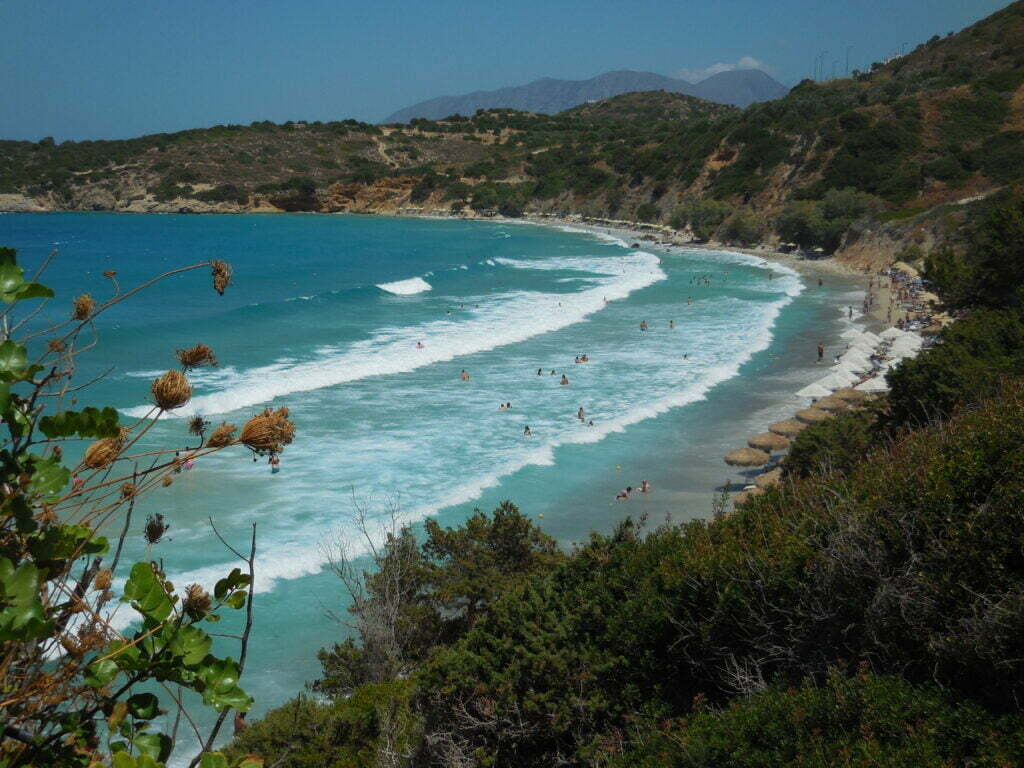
(101,453)
(222,436)
(197,602)
(155,528)
(270,431)
(84,306)
(128,490)
(55,345)
(166,481)
(221,275)
(197,425)
(171,390)
(109,273)
(197,356)
(103,580)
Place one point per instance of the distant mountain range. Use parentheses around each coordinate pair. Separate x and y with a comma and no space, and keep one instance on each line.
(740,87)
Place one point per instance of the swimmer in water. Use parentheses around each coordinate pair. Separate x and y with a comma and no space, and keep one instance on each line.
(275,463)
(540,371)
(527,432)
(645,487)
(552,373)
(419,345)
(624,493)
(671,324)
(463,375)
(579,414)
(591,423)
(643,325)
(564,381)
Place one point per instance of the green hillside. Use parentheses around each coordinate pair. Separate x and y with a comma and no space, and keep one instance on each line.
(926,130)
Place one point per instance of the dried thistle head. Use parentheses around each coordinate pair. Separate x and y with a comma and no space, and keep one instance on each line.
(55,345)
(197,426)
(123,433)
(222,436)
(101,453)
(197,602)
(196,357)
(166,481)
(268,432)
(221,275)
(128,490)
(47,516)
(84,307)
(155,528)
(171,390)
(109,273)
(103,579)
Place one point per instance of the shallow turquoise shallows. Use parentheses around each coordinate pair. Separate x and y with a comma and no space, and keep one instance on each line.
(362,327)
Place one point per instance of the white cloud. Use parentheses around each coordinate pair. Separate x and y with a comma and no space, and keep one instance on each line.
(696,75)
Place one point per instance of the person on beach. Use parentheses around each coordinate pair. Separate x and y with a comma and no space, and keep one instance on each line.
(419,345)
(624,493)
(508,406)
(579,414)
(645,487)
(591,423)
(463,375)
(686,356)
(527,432)
(540,371)
(577,359)
(501,406)
(552,372)
(821,352)
(851,312)
(565,380)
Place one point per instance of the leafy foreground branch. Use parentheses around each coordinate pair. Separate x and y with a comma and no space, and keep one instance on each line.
(74,691)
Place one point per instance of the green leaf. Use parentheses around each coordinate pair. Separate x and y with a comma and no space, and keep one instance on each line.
(21,609)
(144,706)
(250,761)
(48,476)
(13,360)
(100,673)
(35,291)
(62,542)
(12,278)
(237,600)
(90,422)
(154,745)
(5,396)
(189,643)
(219,685)
(233,580)
(213,760)
(122,759)
(146,593)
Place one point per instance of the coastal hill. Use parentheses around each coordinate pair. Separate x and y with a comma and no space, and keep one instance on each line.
(548,96)
(864,167)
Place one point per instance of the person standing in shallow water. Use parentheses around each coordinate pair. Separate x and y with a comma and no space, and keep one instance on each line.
(821,352)
(643,325)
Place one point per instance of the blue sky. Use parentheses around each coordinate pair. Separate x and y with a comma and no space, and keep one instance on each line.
(84,69)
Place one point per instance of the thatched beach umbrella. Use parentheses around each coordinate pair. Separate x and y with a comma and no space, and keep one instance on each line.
(747,457)
(831,403)
(768,441)
(850,395)
(787,428)
(768,479)
(812,415)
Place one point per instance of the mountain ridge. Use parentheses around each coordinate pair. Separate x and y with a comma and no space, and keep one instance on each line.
(549,95)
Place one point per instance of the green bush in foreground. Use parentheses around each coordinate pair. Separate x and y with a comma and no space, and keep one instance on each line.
(865,721)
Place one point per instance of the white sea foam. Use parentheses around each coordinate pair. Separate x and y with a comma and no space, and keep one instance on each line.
(509,319)
(408,287)
(742,334)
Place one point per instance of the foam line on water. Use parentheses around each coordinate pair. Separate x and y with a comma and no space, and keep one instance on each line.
(512,318)
(295,559)
(409,287)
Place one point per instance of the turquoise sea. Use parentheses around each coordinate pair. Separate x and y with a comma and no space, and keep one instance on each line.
(325,316)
